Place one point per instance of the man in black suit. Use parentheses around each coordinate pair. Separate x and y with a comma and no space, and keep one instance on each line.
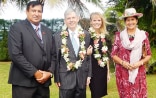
(32,52)
(73,70)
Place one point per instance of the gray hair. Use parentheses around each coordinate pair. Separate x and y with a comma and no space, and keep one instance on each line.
(70,10)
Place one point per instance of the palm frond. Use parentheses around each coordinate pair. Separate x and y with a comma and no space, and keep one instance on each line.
(153,2)
(98,3)
(79,7)
(20,3)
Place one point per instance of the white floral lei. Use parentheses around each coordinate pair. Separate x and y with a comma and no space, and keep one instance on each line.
(65,49)
(102,60)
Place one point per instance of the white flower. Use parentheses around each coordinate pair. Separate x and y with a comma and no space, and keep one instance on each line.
(104,48)
(105,59)
(63,50)
(83,42)
(97,55)
(91,29)
(77,64)
(82,45)
(81,32)
(102,36)
(66,55)
(96,46)
(66,58)
(102,64)
(64,41)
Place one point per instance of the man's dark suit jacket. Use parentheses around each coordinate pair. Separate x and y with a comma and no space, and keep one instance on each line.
(28,54)
(71,79)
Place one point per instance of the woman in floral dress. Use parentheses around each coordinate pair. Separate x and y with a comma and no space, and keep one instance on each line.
(100,65)
(127,54)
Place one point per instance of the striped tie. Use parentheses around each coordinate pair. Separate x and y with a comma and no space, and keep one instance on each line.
(37,32)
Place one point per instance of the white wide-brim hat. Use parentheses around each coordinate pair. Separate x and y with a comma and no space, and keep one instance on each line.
(129,12)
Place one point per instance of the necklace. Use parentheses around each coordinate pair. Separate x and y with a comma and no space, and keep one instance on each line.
(65,49)
(131,36)
(101,58)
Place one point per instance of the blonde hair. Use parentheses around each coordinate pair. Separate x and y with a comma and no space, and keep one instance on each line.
(102,29)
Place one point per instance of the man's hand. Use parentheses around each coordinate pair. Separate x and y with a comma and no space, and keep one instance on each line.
(44,78)
(38,74)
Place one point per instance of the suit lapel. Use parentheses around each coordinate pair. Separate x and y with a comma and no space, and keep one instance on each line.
(43,37)
(33,33)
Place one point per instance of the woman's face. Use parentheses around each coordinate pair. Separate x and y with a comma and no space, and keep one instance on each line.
(131,22)
(96,21)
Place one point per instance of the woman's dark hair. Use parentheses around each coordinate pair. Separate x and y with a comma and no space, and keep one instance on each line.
(133,16)
(34,3)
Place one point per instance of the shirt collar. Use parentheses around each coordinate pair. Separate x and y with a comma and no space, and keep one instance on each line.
(75,31)
(34,26)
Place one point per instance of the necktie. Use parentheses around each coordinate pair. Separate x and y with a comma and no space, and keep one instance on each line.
(37,32)
(74,43)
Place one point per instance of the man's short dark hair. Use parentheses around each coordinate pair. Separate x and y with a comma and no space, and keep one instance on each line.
(34,3)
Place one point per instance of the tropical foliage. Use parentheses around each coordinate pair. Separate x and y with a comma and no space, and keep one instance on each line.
(55,25)
(4,56)
(147,22)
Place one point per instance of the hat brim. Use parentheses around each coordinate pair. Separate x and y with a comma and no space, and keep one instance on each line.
(139,15)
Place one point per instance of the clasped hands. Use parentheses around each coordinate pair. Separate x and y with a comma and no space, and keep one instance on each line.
(129,66)
(42,76)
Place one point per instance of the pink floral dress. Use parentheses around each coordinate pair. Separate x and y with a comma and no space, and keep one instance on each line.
(125,88)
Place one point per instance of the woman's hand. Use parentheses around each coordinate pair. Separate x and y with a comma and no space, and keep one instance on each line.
(88,81)
(137,64)
(108,77)
(58,84)
(89,50)
(127,65)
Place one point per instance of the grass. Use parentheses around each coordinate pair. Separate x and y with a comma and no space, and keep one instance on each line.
(5,88)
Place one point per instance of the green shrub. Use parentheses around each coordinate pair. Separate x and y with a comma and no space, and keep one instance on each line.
(152,63)
(4,54)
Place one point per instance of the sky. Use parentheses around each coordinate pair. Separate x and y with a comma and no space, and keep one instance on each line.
(10,11)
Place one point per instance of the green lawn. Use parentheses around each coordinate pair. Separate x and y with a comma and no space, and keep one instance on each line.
(5,88)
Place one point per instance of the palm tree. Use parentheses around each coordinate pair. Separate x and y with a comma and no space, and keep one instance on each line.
(75,4)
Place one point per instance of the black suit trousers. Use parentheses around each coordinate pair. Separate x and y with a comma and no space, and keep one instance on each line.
(72,93)
(30,92)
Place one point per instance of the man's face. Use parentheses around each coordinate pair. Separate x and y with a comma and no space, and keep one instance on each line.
(71,20)
(34,14)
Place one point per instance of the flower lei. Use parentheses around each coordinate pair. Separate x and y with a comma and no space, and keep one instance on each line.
(65,49)
(101,58)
